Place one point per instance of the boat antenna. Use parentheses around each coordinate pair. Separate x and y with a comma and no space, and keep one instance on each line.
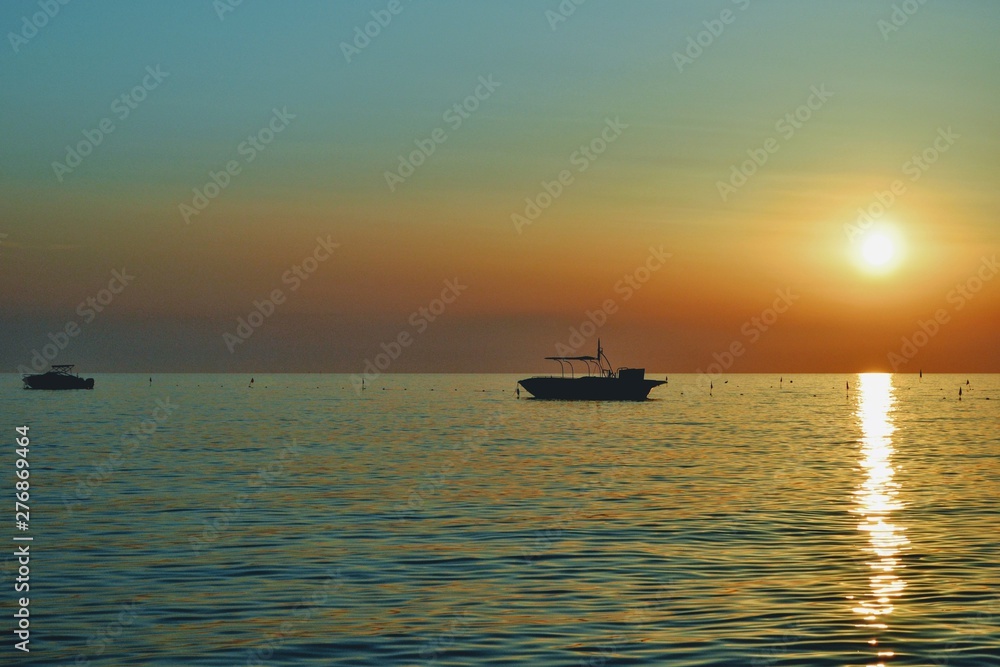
(600,363)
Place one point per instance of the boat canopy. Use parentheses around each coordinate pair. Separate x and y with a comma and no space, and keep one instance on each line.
(600,367)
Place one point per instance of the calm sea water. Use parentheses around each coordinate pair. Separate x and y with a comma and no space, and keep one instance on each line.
(442,521)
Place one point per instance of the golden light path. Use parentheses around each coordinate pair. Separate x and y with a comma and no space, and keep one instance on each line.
(876,500)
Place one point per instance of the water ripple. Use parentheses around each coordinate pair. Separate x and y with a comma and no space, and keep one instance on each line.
(301,524)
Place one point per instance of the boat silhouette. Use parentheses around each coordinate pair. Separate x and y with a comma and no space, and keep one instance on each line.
(60,377)
(601,383)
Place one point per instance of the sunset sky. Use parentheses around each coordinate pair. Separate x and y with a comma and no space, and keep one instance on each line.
(740,138)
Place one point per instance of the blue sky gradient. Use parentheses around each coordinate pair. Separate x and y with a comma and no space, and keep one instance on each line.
(893,91)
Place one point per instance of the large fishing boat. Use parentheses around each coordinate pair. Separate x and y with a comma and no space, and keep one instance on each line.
(600,383)
(60,377)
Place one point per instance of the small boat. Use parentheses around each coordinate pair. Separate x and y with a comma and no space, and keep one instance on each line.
(60,377)
(601,383)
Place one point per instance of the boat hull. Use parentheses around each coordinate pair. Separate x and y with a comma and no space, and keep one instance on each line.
(590,388)
(56,381)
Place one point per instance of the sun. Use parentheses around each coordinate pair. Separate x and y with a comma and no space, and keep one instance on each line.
(878,250)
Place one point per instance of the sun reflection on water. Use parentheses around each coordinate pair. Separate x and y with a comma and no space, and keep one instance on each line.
(876,499)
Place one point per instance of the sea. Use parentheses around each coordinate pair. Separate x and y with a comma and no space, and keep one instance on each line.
(751,520)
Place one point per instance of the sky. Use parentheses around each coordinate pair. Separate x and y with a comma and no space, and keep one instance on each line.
(707,186)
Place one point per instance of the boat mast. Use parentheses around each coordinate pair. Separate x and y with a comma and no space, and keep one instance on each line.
(600,365)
